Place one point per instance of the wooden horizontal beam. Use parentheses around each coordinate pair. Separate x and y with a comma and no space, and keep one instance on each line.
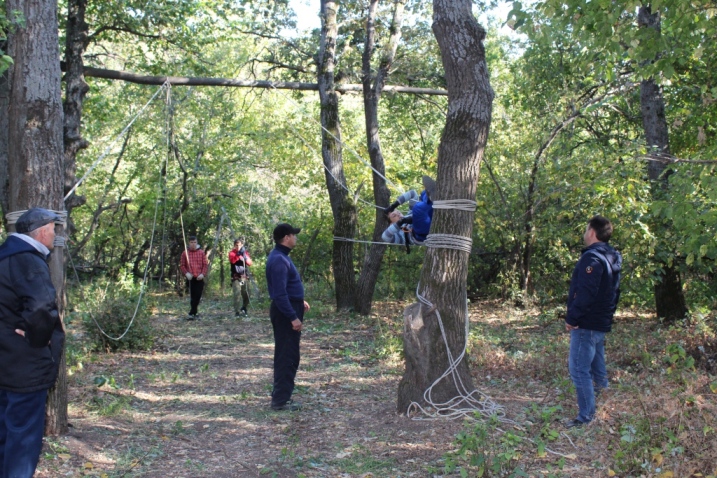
(279,85)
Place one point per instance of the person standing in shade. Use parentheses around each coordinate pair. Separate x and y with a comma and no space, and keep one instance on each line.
(287,315)
(194,266)
(31,340)
(240,261)
(592,301)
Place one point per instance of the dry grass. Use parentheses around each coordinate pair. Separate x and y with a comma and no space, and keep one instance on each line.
(197,406)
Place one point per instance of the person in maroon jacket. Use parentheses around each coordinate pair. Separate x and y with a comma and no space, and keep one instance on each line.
(194,266)
(240,261)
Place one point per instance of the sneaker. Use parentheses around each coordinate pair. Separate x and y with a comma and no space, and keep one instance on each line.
(244,313)
(191,317)
(574,423)
(291,406)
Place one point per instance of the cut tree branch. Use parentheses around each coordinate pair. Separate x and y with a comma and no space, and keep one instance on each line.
(279,85)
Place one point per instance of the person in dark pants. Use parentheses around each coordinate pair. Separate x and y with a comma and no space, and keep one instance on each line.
(287,315)
(592,300)
(31,340)
(194,267)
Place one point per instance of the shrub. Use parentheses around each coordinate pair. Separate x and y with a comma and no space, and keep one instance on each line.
(111,321)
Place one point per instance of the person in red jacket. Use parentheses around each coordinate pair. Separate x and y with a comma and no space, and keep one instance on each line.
(240,262)
(194,269)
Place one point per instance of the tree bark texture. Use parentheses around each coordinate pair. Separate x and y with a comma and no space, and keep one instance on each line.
(372,89)
(342,206)
(445,271)
(75,90)
(4,179)
(670,301)
(35,147)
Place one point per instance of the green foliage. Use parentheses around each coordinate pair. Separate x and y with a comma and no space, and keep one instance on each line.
(484,451)
(114,320)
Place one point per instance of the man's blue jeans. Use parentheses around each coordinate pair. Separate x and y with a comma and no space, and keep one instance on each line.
(22,424)
(587,366)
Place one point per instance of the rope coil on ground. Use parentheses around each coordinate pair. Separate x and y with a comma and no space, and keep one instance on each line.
(466,404)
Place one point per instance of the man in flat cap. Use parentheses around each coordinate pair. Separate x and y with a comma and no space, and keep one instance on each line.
(31,340)
(287,315)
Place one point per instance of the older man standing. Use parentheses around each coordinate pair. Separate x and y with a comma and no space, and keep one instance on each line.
(31,340)
(287,315)
(592,300)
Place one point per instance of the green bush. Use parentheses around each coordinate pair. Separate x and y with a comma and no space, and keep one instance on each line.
(110,319)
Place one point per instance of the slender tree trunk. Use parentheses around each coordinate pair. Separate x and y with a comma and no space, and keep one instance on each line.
(35,147)
(670,301)
(344,210)
(443,279)
(371,96)
(75,91)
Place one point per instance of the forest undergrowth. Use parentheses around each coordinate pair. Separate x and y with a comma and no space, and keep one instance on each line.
(197,403)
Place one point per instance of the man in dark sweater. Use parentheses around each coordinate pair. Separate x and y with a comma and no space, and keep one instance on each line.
(592,300)
(287,315)
(31,340)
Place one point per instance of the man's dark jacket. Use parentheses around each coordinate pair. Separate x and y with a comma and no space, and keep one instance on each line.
(283,281)
(27,302)
(595,288)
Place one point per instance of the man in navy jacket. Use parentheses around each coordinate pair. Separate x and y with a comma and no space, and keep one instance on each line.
(592,300)
(287,315)
(31,340)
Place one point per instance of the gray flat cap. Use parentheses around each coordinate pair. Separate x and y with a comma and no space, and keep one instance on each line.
(34,218)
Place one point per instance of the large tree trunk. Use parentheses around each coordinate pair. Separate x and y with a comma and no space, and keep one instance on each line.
(75,91)
(669,297)
(443,279)
(344,210)
(381,194)
(35,147)
(4,179)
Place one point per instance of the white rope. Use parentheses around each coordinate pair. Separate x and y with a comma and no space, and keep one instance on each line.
(12,217)
(459,204)
(449,241)
(143,286)
(466,404)
(347,239)
(109,148)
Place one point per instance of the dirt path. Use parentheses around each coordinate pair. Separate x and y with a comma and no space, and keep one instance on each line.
(199,406)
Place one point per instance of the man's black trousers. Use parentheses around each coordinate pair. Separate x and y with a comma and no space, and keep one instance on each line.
(286,352)
(196,287)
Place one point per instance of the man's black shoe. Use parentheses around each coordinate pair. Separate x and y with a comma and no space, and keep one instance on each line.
(575,423)
(291,406)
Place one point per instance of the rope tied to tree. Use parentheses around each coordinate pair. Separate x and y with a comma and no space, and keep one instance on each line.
(468,403)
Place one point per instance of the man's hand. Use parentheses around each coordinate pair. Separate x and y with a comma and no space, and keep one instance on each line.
(20,332)
(188,275)
(569,327)
(297,325)
(306,306)
(200,277)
